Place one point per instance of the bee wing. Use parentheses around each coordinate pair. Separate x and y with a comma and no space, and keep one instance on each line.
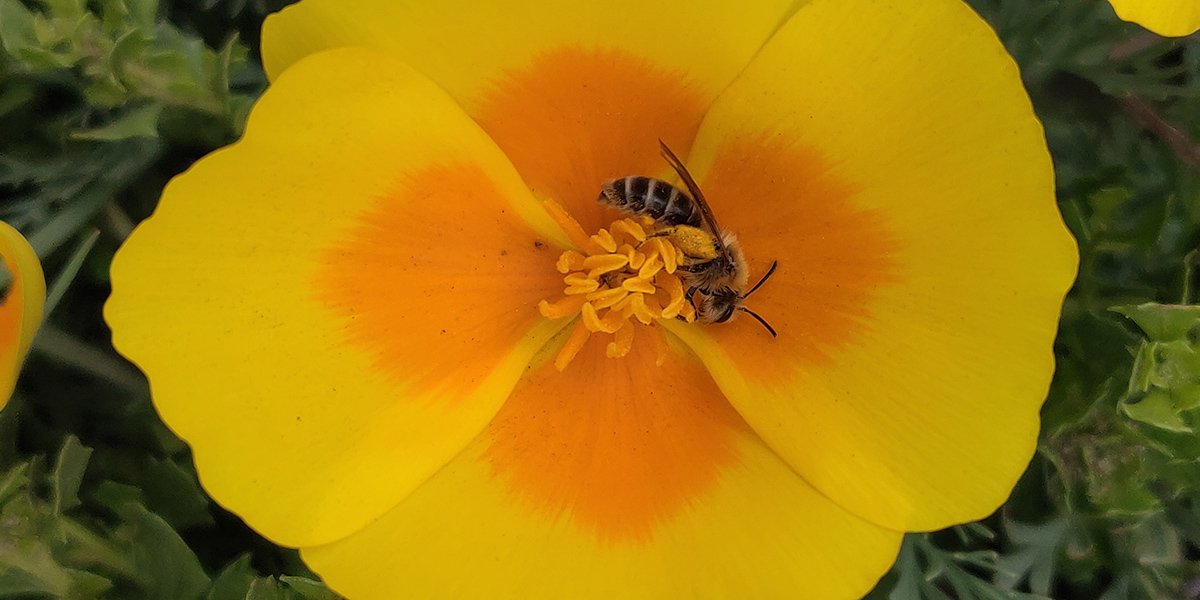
(697,195)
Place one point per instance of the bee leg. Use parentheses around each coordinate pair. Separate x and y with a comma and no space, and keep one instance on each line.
(690,296)
(664,232)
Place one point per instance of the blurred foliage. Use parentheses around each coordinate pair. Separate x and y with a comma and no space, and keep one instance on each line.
(1110,507)
(102,101)
(100,104)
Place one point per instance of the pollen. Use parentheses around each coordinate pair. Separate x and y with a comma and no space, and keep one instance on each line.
(618,284)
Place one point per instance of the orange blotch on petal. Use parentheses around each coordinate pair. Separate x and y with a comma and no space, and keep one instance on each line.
(785,204)
(575,118)
(441,279)
(616,446)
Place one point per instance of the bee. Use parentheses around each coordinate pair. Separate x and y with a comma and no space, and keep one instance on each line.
(713,264)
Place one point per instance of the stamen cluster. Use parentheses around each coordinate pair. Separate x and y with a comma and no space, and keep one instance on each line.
(627,277)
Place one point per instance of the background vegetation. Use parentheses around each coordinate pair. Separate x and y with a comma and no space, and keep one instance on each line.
(102,101)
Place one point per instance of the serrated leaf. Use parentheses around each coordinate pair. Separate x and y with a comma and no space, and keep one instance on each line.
(1117,484)
(1035,559)
(139,122)
(910,576)
(308,588)
(13,481)
(267,588)
(1177,364)
(114,496)
(174,494)
(1156,408)
(68,474)
(233,583)
(1162,322)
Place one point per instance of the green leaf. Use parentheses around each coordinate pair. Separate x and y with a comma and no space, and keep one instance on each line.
(67,274)
(233,583)
(16,582)
(139,122)
(1162,322)
(308,588)
(68,474)
(13,481)
(1038,548)
(1156,408)
(1118,481)
(142,12)
(267,588)
(170,568)
(908,585)
(70,10)
(173,493)
(123,162)
(16,26)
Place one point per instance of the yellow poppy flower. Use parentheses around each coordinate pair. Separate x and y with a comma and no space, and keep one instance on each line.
(340,312)
(1172,18)
(24,292)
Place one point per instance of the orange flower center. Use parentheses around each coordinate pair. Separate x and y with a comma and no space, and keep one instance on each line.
(625,280)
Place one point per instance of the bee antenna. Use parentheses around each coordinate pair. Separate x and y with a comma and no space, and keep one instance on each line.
(759,284)
(760,320)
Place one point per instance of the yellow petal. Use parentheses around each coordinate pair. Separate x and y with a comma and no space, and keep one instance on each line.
(886,155)
(615,479)
(1174,18)
(463,45)
(326,310)
(21,308)
(575,93)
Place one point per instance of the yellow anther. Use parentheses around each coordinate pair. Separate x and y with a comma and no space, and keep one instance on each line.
(631,228)
(604,263)
(606,297)
(613,320)
(675,298)
(669,257)
(637,284)
(622,342)
(620,281)
(605,240)
(644,313)
(637,259)
(578,279)
(570,261)
(574,344)
(652,265)
(590,318)
(566,307)
(579,284)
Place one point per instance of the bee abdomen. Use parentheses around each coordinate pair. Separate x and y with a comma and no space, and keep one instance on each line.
(659,200)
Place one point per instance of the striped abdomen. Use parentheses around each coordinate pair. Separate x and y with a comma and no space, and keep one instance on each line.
(659,200)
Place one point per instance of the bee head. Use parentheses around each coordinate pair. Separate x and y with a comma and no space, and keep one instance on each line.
(720,305)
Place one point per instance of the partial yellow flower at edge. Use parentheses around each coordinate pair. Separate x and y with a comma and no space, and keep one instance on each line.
(21,308)
(339,312)
(1171,18)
